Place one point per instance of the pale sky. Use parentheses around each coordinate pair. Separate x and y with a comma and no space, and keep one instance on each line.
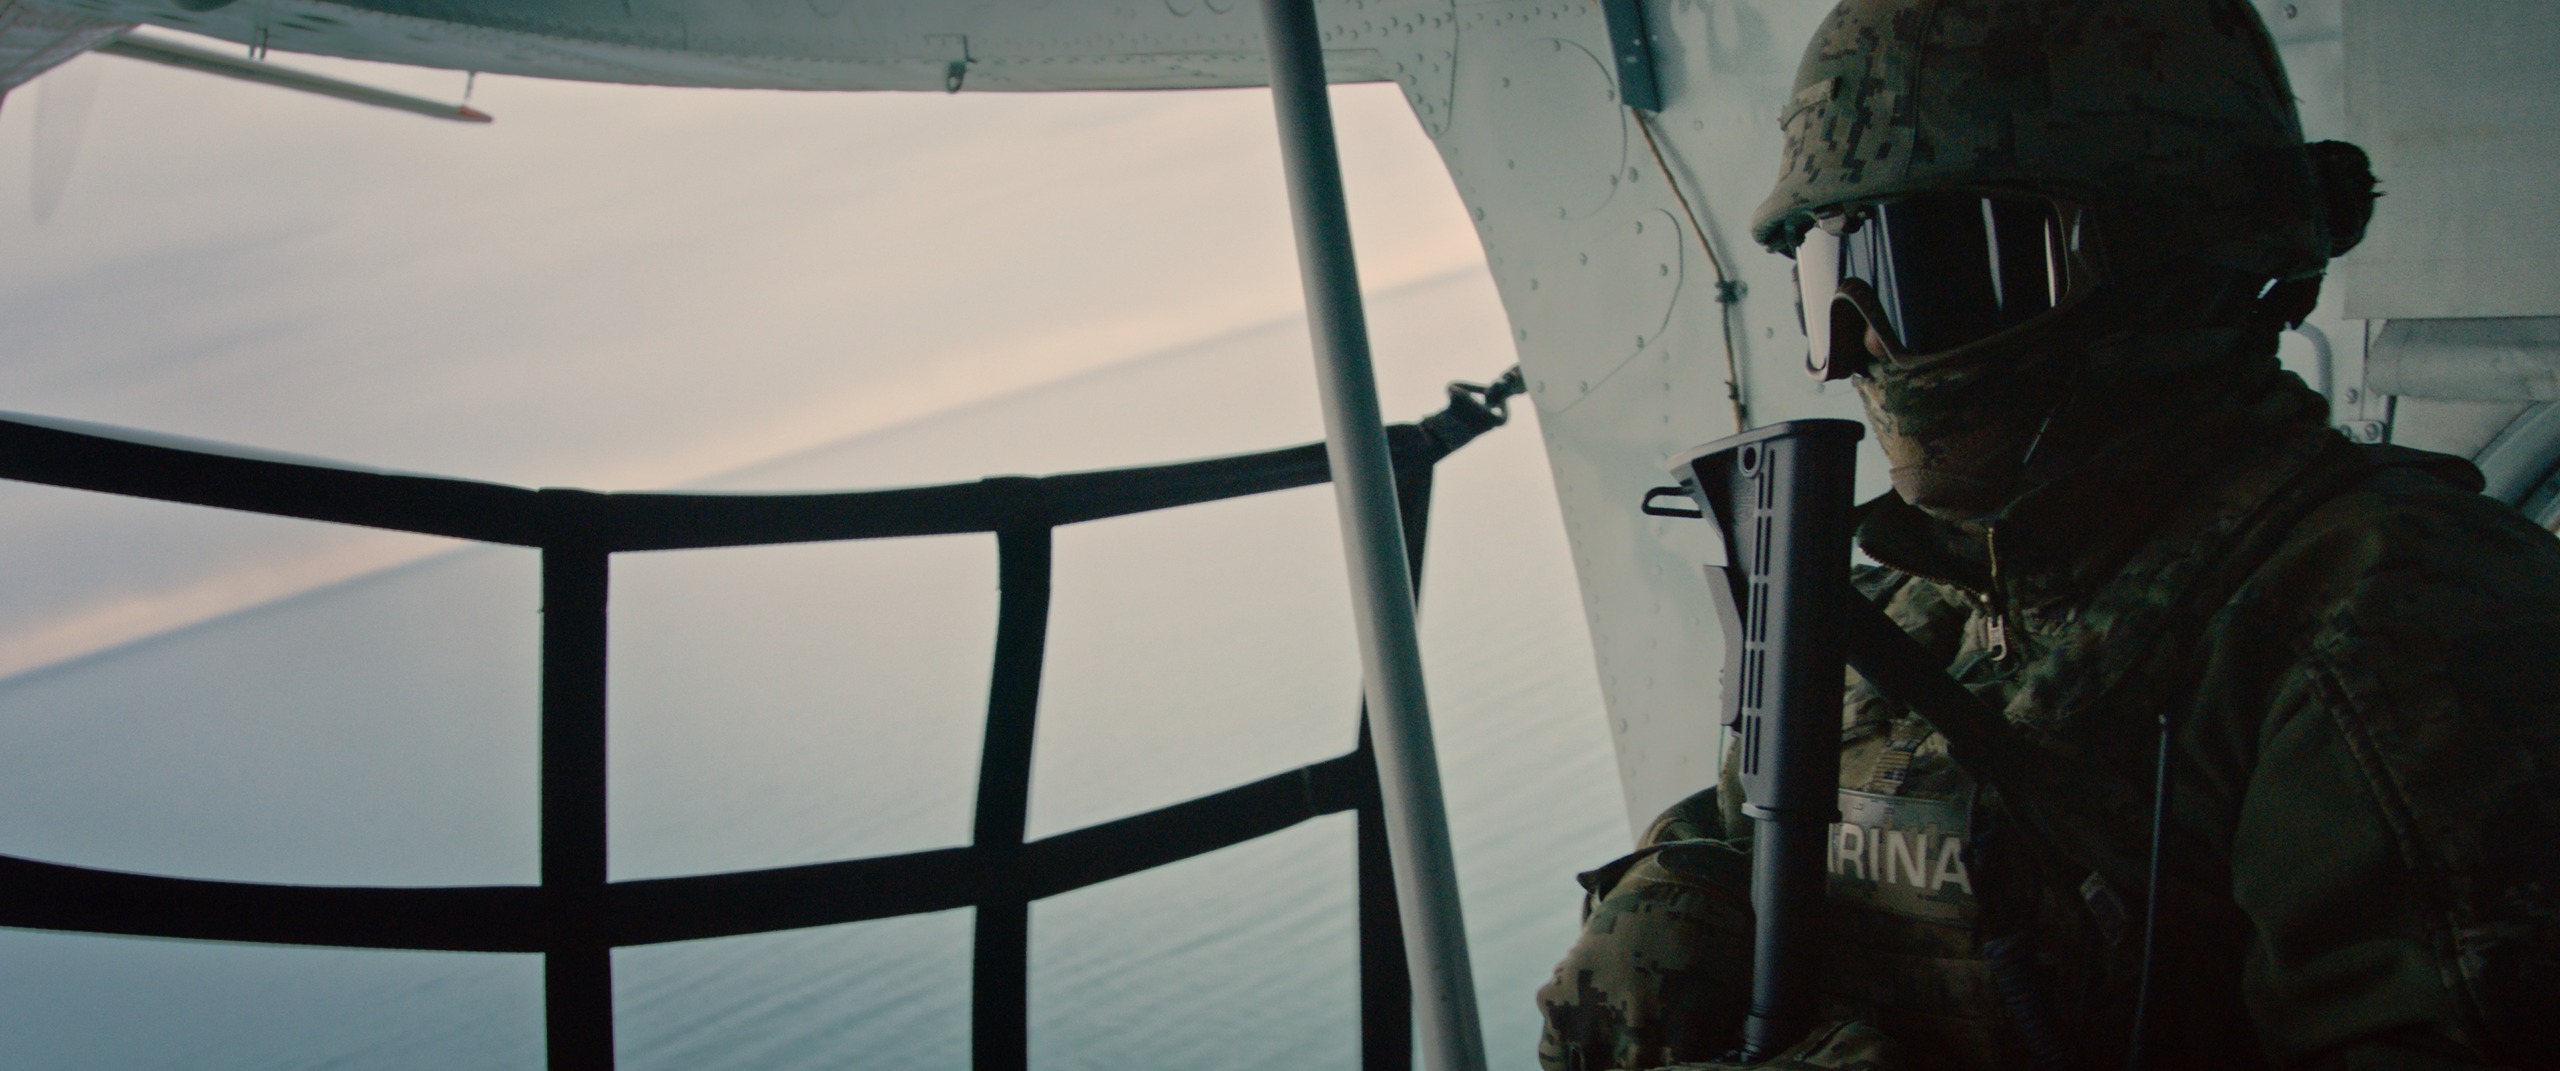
(628,288)
(611,287)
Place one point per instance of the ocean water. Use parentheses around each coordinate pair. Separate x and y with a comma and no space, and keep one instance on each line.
(786,705)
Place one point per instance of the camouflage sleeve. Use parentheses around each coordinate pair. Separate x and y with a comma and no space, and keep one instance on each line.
(1838,1045)
(2397,848)
(1699,817)
(1661,971)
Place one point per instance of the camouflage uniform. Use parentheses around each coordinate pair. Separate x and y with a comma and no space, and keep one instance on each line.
(2360,658)
(2356,656)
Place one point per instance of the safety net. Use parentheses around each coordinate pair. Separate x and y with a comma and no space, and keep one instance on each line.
(575,917)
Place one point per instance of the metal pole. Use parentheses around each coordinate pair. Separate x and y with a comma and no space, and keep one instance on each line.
(1373,545)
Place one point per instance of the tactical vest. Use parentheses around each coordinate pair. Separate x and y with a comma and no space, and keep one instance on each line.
(1904,944)
(2027,947)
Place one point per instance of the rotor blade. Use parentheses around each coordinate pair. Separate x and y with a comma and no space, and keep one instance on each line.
(63,99)
(189,57)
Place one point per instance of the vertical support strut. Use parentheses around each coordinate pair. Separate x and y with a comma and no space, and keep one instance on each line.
(1386,988)
(577,974)
(1373,544)
(1000,1038)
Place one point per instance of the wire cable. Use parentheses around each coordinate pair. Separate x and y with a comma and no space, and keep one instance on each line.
(1728,292)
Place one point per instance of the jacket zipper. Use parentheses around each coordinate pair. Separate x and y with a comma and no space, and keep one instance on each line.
(1994,609)
(1998,607)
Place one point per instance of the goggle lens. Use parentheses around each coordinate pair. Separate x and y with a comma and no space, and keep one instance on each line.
(1932,273)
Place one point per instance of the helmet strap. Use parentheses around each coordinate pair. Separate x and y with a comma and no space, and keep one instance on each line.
(2288,302)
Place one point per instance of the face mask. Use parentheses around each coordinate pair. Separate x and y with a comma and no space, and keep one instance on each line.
(1958,436)
(1990,316)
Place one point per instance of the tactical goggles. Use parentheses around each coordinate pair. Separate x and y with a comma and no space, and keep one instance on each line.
(1935,273)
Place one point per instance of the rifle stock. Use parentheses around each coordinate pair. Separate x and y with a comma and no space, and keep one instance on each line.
(1781,499)
(1780,496)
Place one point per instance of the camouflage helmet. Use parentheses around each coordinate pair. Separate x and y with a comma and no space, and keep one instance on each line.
(2171,119)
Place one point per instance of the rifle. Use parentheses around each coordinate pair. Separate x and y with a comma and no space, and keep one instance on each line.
(1780,495)
(1781,498)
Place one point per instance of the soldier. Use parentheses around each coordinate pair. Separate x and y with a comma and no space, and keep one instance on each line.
(2053,244)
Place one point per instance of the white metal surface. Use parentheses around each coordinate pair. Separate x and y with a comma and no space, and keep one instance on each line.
(928,45)
(2459,103)
(1614,309)
(2513,359)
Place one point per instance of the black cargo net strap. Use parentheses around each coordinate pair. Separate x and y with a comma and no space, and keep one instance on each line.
(575,917)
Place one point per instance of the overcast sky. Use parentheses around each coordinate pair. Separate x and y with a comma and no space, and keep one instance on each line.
(610,287)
